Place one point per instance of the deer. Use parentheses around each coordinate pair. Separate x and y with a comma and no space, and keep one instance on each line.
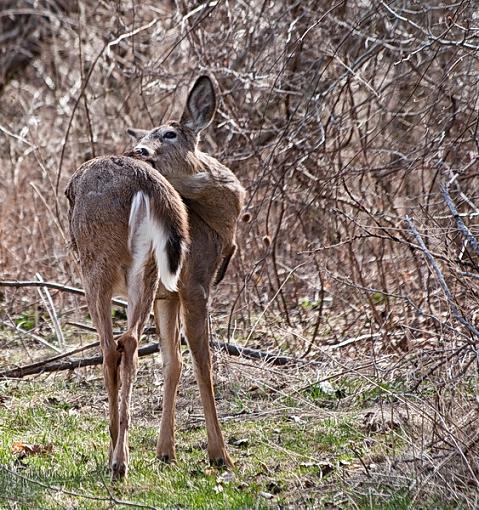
(211,190)
(156,225)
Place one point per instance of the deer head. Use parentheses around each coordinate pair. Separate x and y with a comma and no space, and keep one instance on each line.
(170,147)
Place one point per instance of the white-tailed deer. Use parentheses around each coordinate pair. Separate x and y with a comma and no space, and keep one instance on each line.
(211,191)
(135,238)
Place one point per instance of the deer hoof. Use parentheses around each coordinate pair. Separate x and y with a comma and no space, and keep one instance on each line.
(119,470)
(165,452)
(222,461)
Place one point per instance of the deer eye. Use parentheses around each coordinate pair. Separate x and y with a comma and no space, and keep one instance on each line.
(170,135)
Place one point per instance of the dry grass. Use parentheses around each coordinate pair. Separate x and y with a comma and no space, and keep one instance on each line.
(340,120)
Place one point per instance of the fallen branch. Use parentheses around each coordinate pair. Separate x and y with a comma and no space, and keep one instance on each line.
(48,366)
(58,363)
(456,312)
(51,285)
(38,365)
(246,352)
(56,366)
(231,349)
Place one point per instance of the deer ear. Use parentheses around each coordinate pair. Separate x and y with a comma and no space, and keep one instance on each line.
(200,105)
(137,134)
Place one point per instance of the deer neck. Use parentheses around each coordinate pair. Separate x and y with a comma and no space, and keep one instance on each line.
(175,165)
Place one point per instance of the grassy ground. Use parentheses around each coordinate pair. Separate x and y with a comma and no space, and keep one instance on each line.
(296,442)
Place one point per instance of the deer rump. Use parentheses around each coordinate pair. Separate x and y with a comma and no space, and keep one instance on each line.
(123,214)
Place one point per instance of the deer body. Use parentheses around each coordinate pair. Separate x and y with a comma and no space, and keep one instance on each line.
(131,230)
(211,192)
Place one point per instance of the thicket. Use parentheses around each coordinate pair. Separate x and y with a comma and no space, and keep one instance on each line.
(354,128)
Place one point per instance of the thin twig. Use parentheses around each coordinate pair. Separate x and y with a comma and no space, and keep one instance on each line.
(459,222)
(52,285)
(19,138)
(50,307)
(442,281)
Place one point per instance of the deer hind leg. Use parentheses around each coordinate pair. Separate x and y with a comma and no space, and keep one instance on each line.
(195,322)
(99,304)
(142,284)
(166,317)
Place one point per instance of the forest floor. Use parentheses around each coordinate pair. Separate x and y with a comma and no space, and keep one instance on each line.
(308,436)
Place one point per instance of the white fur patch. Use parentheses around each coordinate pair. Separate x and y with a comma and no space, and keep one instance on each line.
(147,234)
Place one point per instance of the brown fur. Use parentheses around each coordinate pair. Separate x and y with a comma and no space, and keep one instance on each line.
(99,229)
(100,195)
(210,189)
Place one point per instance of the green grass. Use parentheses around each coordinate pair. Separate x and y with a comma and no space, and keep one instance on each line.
(277,457)
(351,393)
(302,449)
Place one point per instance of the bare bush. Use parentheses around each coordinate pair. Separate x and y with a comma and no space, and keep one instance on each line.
(340,119)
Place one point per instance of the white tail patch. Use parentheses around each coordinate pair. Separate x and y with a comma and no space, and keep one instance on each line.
(147,234)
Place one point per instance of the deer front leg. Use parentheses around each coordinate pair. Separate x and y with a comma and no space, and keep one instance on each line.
(166,317)
(196,329)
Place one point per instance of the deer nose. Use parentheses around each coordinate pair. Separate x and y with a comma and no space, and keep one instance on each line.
(142,151)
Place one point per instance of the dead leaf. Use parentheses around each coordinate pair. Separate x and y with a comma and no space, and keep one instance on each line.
(266,495)
(274,487)
(296,419)
(22,450)
(226,477)
(239,442)
(325,468)
(308,464)
(327,387)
